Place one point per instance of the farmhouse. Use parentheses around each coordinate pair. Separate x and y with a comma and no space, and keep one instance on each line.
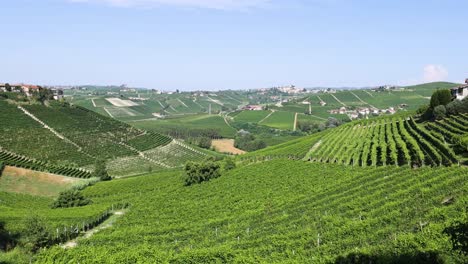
(460,92)
(58,93)
(252,107)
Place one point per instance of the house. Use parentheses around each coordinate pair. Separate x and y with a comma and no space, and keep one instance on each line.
(28,89)
(342,110)
(460,92)
(58,93)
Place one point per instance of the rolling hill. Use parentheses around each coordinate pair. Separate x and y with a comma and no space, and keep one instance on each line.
(61,136)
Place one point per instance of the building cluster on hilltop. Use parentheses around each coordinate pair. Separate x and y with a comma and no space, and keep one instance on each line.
(29,89)
(360,112)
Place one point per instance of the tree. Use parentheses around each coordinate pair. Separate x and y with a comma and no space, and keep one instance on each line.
(454,107)
(70,198)
(7,87)
(440,112)
(100,170)
(200,172)
(440,97)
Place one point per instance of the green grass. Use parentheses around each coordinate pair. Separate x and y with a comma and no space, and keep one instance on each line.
(187,123)
(281,120)
(251,116)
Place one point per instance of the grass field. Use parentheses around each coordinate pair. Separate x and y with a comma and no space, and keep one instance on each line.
(280,119)
(251,116)
(18,180)
(187,123)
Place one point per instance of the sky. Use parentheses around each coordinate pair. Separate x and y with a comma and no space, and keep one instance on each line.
(233,44)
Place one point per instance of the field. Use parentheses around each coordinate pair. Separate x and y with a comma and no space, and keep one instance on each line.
(226,146)
(30,182)
(190,124)
(274,212)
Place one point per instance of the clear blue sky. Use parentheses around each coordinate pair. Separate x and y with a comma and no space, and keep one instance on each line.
(229,44)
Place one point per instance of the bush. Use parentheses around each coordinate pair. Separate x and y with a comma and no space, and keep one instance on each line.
(70,198)
(2,166)
(100,170)
(440,97)
(229,164)
(440,112)
(36,233)
(200,172)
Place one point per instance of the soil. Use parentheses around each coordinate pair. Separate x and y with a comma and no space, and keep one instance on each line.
(226,146)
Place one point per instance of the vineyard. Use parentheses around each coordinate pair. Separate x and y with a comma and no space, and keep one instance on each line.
(386,141)
(67,140)
(272,212)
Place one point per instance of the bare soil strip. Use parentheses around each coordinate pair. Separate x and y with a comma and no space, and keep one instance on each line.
(226,146)
(120,102)
(266,117)
(338,100)
(295,122)
(106,224)
(362,101)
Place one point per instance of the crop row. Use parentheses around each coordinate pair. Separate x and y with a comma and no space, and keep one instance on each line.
(12,159)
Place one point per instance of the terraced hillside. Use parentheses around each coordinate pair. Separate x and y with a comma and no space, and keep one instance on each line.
(59,137)
(276,212)
(396,140)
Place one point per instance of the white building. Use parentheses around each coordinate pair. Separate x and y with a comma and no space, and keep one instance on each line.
(460,92)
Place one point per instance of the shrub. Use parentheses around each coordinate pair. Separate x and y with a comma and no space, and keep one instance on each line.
(36,233)
(440,97)
(100,170)
(229,164)
(200,172)
(440,112)
(2,166)
(70,198)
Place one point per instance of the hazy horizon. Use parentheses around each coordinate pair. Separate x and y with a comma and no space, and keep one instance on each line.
(221,44)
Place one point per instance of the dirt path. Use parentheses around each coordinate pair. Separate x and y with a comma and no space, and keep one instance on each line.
(107,111)
(338,100)
(226,146)
(106,224)
(369,93)
(321,101)
(178,99)
(57,134)
(362,101)
(94,103)
(295,122)
(313,149)
(266,117)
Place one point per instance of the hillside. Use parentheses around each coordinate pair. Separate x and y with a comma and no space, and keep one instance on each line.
(37,136)
(397,140)
(271,212)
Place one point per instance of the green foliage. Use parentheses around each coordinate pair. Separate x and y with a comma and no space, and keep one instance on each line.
(199,172)
(440,97)
(100,170)
(249,142)
(229,164)
(279,211)
(458,234)
(70,198)
(440,112)
(36,233)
